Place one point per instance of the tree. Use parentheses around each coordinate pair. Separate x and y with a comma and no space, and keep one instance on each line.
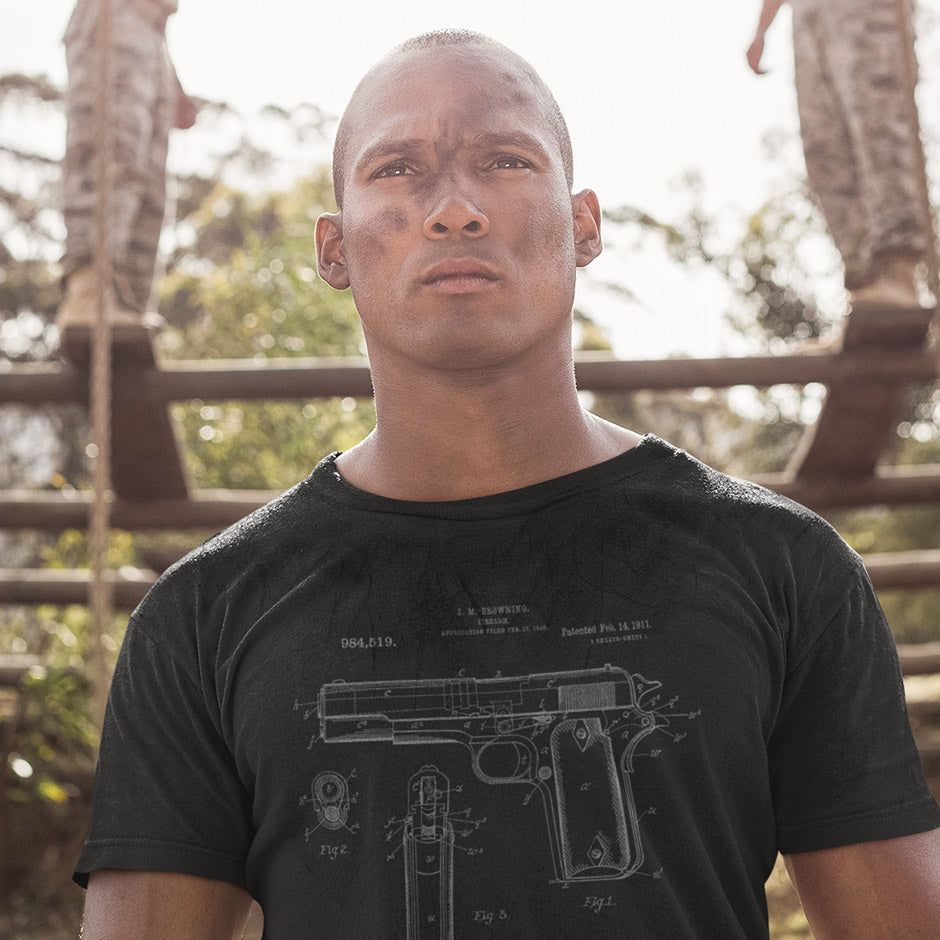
(246,287)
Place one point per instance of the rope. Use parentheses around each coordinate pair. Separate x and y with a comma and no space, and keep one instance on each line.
(101,602)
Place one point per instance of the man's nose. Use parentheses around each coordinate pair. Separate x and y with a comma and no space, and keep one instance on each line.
(455,213)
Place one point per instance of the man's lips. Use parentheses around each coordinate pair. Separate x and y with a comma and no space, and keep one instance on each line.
(459,275)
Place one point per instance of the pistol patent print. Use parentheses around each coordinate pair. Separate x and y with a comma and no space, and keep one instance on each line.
(570,736)
(428,841)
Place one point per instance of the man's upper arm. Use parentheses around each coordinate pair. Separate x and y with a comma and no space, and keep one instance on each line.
(872,890)
(154,905)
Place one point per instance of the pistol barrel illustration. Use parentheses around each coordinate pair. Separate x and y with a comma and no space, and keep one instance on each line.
(555,732)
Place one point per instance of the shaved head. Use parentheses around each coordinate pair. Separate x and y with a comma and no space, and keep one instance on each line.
(437,40)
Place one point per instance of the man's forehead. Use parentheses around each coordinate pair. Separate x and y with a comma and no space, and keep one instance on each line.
(484,79)
(452,88)
(498,62)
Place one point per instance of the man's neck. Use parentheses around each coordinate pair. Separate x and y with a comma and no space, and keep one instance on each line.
(445,437)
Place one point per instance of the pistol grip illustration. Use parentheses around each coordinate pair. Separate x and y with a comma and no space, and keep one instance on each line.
(428,840)
(595,839)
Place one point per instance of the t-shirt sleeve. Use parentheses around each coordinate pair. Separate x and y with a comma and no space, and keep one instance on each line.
(844,767)
(167,793)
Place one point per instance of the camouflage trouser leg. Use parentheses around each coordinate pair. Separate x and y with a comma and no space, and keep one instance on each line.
(143,102)
(861,151)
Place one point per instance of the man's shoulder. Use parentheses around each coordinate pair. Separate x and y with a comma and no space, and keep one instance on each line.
(747,508)
(249,555)
(264,531)
(696,479)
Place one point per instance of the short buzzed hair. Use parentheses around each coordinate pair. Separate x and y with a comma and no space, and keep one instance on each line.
(458,37)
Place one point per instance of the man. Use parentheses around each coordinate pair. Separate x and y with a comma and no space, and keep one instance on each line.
(860,144)
(502,666)
(146,101)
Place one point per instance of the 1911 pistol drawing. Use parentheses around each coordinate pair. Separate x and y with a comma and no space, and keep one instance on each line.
(554,732)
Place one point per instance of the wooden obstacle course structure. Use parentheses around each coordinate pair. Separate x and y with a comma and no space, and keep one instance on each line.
(838,464)
(150,489)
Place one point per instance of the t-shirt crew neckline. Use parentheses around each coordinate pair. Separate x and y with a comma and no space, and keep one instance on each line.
(331,483)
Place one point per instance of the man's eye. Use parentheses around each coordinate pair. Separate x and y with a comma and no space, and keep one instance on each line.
(509,162)
(393,169)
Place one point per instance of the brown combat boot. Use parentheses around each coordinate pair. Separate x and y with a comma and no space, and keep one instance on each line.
(888,310)
(78,312)
(894,284)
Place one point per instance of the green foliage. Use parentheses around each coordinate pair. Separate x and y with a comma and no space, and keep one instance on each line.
(772,266)
(55,733)
(71,550)
(246,287)
(769,270)
(56,736)
(770,279)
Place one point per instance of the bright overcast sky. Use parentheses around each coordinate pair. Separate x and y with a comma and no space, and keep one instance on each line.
(650,88)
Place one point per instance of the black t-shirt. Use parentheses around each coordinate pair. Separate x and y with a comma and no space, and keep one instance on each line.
(594,706)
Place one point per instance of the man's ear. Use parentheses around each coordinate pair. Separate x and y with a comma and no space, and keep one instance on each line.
(331,262)
(586,211)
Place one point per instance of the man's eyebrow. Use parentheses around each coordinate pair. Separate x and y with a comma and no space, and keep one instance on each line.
(487,139)
(510,139)
(389,148)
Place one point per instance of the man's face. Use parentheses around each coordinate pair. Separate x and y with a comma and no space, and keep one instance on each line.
(458,234)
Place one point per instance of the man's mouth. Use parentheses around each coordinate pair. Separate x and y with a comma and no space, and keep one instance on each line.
(459,276)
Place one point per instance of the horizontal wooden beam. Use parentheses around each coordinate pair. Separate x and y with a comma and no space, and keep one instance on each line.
(919,659)
(218,379)
(923,711)
(39,383)
(311,378)
(14,666)
(889,486)
(247,380)
(30,587)
(214,509)
(904,570)
(601,373)
(56,511)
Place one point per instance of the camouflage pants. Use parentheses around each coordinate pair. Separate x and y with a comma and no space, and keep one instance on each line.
(861,151)
(143,103)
